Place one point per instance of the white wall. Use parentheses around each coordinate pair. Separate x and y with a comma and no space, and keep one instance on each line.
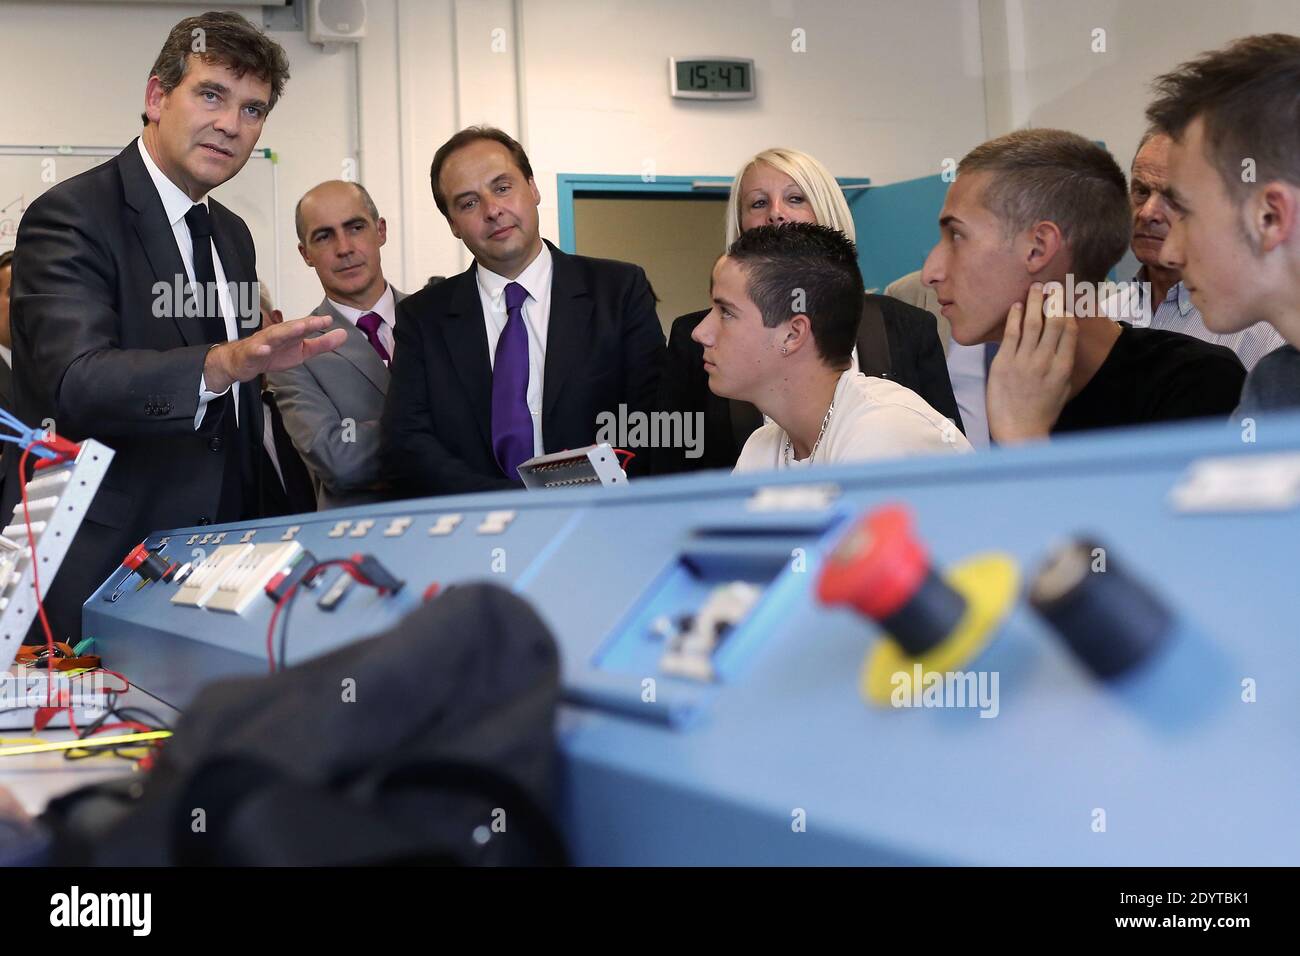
(1062,82)
(409,107)
(582,82)
(886,88)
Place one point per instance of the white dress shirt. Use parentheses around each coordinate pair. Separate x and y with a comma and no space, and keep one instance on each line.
(385,308)
(268,443)
(968,371)
(536,279)
(176,204)
(7,354)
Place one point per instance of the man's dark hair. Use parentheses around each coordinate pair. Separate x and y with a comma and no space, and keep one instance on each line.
(6,258)
(225,38)
(1051,175)
(1248,97)
(472,134)
(371,209)
(804,268)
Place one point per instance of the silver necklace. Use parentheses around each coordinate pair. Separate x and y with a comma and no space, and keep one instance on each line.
(817,444)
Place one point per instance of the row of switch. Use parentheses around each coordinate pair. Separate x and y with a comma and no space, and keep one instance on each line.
(494,522)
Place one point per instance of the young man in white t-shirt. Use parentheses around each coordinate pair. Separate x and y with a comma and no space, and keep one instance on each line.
(786,305)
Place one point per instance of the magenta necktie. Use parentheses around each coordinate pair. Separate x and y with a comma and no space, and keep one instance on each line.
(369,324)
(512,422)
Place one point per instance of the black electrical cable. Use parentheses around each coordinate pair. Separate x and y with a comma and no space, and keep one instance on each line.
(121,713)
(367,571)
(349,567)
(284,624)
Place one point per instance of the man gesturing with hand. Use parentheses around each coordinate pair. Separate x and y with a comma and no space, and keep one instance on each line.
(136,310)
(273,349)
(1030,215)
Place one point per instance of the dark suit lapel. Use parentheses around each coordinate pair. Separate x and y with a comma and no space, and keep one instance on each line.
(238,268)
(357,349)
(238,265)
(6,386)
(465,335)
(568,331)
(873,341)
(149,220)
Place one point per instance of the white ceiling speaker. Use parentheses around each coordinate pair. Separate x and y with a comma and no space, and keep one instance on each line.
(336,21)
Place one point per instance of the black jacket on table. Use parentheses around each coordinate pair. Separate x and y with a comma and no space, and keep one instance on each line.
(91,354)
(895,341)
(604,348)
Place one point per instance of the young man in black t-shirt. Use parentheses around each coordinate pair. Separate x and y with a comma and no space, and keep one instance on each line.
(1234,185)
(1032,217)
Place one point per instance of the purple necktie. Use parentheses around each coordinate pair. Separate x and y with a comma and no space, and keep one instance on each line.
(369,324)
(512,423)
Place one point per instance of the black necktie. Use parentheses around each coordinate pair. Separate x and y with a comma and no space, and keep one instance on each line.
(238,484)
(205,274)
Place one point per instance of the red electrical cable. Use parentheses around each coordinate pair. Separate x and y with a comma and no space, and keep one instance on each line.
(36,577)
(275,615)
(64,451)
(347,564)
(126,684)
(72,720)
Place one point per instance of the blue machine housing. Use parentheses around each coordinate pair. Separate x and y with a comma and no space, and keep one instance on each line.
(1194,759)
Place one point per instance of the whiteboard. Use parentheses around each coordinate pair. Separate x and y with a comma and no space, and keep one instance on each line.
(27,171)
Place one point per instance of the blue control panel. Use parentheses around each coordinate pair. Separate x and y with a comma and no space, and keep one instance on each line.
(714,706)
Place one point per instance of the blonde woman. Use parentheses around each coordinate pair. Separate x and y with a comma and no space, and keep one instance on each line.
(895,340)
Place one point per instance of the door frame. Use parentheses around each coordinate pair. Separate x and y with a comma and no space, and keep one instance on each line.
(569,186)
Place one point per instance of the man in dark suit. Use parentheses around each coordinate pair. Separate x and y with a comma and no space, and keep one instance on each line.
(6,346)
(135,309)
(6,338)
(519,354)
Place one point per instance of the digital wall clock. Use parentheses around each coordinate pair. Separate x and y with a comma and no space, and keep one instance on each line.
(711,78)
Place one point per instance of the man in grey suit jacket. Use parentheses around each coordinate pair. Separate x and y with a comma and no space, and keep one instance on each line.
(331,408)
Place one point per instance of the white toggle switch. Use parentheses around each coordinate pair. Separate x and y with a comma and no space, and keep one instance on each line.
(446,524)
(496,522)
(397,527)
